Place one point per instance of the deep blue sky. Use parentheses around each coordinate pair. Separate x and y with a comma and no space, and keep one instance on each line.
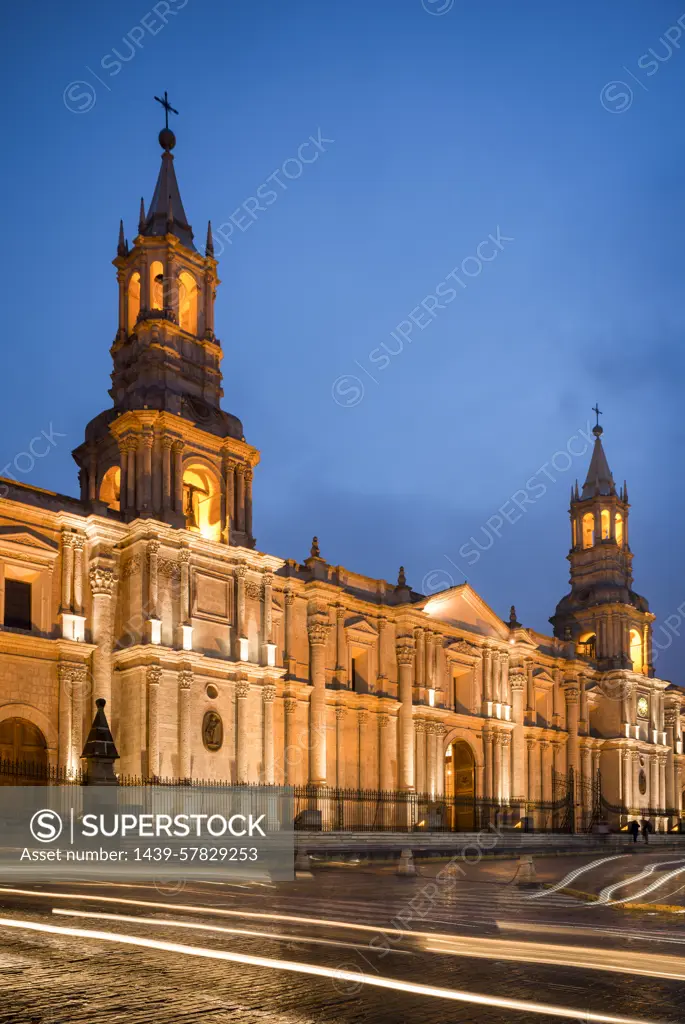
(445,126)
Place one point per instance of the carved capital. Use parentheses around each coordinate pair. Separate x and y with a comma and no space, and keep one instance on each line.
(242,688)
(268,579)
(671,717)
(362,716)
(572,693)
(289,598)
(383,721)
(318,633)
(240,572)
(153,547)
(420,726)
(177,446)
(102,580)
(67,539)
(167,442)
(248,475)
(154,674)
(340,612)
(340,712)
(79,541)
(185,678)
(290,705)
(517,683)
(268,693)
(405,651)
(184,555)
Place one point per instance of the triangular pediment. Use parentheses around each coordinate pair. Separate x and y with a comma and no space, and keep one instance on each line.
(462,606)
(359,625)
(540,676)
(24,536)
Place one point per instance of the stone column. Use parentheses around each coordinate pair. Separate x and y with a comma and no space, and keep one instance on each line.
(131,449)
(428,666)
(153,547)
(385,761)
(79,544)
(653,780)
(530,692)
(318,637)
(518,684)
(405,662)
(505,784)
(679,788)
(184,559)
(123,474)
(148,441)
(497,766)
(289,653)
(185,682)
(154,678)
(290,760)
(637,795)
(670,725)
(248,502)
(340,646)
(440,730)
(627,767)
(496,687)
(487,673)
(339,746)
(242,733)
(420,660)
(65,721)
(430,737)
(362,729)
(421,759)
(240,572)
(240,496)
(67,570)
(177,449)
(166,473)
(229,498)
(504,678)
(533,793)
(382,678)
(662,782)
(102,582)
(488,740)
(268,768)
(571,693)
(267,599)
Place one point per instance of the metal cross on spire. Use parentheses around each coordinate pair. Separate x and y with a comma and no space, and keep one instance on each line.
(596,409)
(167,107)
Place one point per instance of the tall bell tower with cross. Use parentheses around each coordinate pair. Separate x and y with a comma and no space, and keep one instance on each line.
(166,450)
(608,622)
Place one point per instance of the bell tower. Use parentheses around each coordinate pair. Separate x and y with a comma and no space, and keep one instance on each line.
(608,622)
(166,449)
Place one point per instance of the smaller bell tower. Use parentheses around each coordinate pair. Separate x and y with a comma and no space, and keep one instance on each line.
(609,623)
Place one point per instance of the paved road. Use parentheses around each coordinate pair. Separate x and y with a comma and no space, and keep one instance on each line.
(361,929)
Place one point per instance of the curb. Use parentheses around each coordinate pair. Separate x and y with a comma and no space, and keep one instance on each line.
(655,908)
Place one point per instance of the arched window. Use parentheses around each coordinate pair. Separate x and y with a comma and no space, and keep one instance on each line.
(187,302)
(202,502)
(587,645)
(618,529)
(636,650)
(605,519)
(133,301)
(110,488)
(588,530)
(156,285)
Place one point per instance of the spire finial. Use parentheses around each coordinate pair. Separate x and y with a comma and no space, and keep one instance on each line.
(209,245)
(513,621)
(141,217)
(597,430)
(122,248)
(315,552)
(401,577)
(167,139)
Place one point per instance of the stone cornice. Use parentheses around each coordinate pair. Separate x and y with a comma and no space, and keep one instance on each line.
(27,645)
(194,437)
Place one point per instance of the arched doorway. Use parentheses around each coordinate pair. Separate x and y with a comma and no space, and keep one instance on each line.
(460,785)
(23,742)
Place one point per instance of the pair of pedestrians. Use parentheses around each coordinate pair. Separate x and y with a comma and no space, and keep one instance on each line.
(636,827)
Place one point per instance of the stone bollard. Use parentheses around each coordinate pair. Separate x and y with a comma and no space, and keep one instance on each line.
(525,873)
(406,867)
(303,867)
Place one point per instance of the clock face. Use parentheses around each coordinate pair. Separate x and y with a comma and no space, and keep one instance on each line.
(643,707)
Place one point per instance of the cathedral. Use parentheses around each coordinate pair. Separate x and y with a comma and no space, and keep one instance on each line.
(219,661)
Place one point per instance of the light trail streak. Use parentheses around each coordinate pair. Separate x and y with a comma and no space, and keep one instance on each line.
(649,965)
(571,877)
(159,923)
(606,893)
(561,929)
(315,970)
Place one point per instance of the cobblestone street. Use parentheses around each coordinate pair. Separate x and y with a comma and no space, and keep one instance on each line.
(338,921)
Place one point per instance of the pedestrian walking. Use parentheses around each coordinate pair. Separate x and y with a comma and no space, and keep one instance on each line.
(634,827)
(646,829)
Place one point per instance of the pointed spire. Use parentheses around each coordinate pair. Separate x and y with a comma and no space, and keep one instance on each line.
(599,479)
(513,621)
(166,205)
(122,247)
(577,492)
(141,217)
(170,218)
(625,491)
(209,244)
(401,577)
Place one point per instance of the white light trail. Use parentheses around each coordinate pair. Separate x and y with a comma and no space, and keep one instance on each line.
(606,894)
(166,923)
(411,988)
(571,877)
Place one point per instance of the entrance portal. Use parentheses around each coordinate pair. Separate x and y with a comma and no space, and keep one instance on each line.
(21,742)
(460,785)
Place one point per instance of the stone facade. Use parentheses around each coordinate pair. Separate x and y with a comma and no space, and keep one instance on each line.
(218,661)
